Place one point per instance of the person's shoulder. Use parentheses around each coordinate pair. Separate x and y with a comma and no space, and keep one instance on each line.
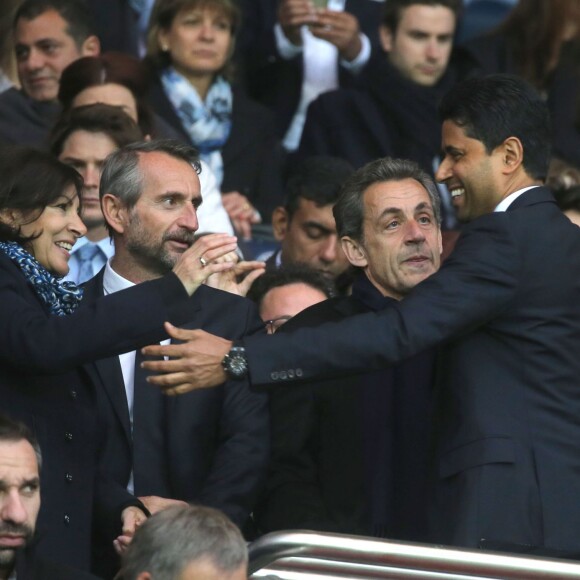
(330,310)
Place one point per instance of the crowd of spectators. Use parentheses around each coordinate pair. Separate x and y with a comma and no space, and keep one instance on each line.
(250,116)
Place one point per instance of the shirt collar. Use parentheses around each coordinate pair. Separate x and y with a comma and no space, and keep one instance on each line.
(113,282)
(507,201)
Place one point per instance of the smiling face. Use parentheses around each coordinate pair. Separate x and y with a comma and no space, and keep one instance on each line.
(86,152)
(110,94)
(43,50)
(56,230)
(421,46)
(199,41)
(19,499)
(470,173)
(162,224)
(401,243)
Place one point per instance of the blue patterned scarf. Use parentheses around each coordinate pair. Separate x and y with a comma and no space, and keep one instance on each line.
(208,123)
(62,298)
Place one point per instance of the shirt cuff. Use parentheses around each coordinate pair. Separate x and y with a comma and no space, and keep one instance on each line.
(356,65)
(286,49)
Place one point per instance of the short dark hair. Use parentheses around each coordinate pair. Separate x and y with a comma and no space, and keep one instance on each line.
(98,118)
(74,12)
(291,274)
(495,107)
(349,210)
(15,431)
(108,68)
(174,537)
(31,181)
(393,10)
(317,178)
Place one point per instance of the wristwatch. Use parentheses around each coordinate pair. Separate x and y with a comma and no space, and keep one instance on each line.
(235,363)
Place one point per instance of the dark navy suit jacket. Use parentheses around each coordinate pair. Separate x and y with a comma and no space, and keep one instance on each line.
(216,440)
(350,454)
(42,383)
(505,308)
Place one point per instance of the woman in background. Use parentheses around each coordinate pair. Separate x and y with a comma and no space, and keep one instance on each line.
(190,45)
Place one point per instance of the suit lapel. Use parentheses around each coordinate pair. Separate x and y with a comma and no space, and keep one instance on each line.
(107,372)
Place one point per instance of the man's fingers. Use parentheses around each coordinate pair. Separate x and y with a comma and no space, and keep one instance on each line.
(247,282)
(162,366)
(185,333)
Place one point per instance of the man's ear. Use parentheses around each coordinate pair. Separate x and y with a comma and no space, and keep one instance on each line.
(280,221)
(115,212)
(354,252)
(386,38)
(512,152)
(91,46)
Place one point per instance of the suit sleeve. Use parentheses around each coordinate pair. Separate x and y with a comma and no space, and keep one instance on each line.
(31,339)
(477,282)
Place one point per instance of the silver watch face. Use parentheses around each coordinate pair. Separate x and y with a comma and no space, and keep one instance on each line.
(235,363)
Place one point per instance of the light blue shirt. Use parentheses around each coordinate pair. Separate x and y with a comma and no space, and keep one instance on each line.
(107,250)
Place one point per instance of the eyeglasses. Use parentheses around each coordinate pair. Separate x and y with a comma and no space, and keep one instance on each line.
(273,325)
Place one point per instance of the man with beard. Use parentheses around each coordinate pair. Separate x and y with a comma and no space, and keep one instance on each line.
(211,447)
(20,462)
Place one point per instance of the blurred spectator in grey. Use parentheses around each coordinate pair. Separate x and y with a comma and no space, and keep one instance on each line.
(48,36)
(186,543)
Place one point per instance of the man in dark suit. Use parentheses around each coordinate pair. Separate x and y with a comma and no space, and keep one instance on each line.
(349,454)
(504,308)
(211,448)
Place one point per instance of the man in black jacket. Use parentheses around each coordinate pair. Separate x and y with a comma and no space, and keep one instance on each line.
(349,454)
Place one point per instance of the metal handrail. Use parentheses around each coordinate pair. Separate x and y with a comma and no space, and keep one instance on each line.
(325,555)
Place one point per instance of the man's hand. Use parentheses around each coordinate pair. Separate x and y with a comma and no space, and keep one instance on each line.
(239,279)
(155,503)
(341,29)
(199,261)
(195,364)
(131,517)
(241,212)
(292,14)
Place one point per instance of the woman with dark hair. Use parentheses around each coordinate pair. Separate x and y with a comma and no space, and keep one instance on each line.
(47,336)
(540,41)
(112,78)
(190,46)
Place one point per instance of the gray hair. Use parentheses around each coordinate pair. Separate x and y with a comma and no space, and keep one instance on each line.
(174,537)
(122,176)
(349,209)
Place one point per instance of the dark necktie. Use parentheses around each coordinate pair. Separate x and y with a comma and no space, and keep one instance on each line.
(149,461)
